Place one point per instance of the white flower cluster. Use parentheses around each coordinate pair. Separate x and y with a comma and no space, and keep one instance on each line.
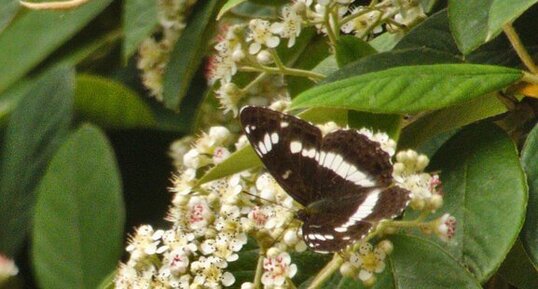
(154,54)
(210,225)
(367,261)
(7,268)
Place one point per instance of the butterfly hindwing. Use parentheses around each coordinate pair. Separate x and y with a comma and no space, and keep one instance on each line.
(287,147)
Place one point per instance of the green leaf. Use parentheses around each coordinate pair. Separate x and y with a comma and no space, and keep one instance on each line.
(518,270)
(433,33)
(108,281)
(529,159)
(35,130)
(110,104)
(139,20)
(36,34)
(350,48)
(414,263)
(8,10)
(386,41)
(503,12)
(79,214)
(448,119)
(484,188)
(246,158)
(242,159)
(188,53)
(468,23)
(427,5)
(389,123)
(228,6)
(409,89)
(395,58)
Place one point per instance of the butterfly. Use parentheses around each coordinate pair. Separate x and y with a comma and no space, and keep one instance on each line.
(343,180)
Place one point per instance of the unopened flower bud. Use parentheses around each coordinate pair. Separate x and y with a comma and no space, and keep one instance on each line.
(264,57)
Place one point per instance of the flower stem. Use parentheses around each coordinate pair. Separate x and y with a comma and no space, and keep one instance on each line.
(285,71)
(514,39)
(328,26)
(259,270)
(326,272)
(530,78)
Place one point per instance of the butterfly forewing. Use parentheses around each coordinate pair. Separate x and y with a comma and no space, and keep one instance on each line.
(287,147)
(350,162)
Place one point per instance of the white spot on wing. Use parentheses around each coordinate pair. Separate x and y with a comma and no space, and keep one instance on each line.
(286,174)
(337,162)
(274,138)
(284,124)
(295,147)
(329,237)
(320,237)
(267,142)
(360,179)
(247,129)
(262,148)
(363,210)
(340,229)
(328,160)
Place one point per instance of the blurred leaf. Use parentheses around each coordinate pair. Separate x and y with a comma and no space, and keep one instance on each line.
(432,33)
(227,6)
(350,48)
(108,281)
(139,20)
(395,58)
(35,130)
(188,53)
(450,118)
(428,5)
(503,12)
(484,188)
(409,89)
(36,34)
(8,10)
(468,23)
(518,270)
(110,104)
(315,51)
(529,160)
(246,158)
(386,41)
(326,66)
(79,214)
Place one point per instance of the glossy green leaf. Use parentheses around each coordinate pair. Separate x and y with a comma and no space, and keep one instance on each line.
(188,53)
(529,159)
(518,269)
(350,48)
(409,89)
(139,20)
(450,118)
(34,131)
(389,123)
(484,188)
(386,41)
(36,34)
(414,263)
(227,6)
(110,104)
(246,158)
(502,12)
(79,214)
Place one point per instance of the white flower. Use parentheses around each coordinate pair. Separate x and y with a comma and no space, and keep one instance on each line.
(229,96)
(368,261)
(7,268)
(290,27)
(143,243)
(278,269)
(184,183)
(179,148)
(194,160)
(445,227)
(260,34)
(209,272)
(198,213)
(387,144)
(363,23)
(220,154)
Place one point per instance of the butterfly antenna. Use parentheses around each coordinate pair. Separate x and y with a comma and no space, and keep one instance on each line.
(269,201)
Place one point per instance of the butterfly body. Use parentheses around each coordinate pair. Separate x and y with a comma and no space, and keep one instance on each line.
(342,179)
